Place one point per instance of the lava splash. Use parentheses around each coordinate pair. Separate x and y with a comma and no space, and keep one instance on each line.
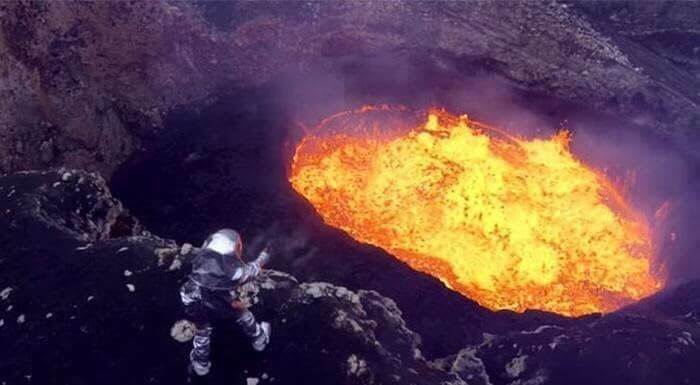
(512,223)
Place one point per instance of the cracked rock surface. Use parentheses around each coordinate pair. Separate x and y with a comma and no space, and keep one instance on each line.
(88,84)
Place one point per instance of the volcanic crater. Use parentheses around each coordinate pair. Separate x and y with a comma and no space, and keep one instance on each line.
(193,114)
(229,163)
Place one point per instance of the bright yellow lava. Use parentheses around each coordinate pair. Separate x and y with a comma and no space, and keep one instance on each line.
(511,223)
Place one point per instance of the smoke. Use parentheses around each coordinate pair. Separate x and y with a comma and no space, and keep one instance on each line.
(658,179)
(398,79)
(657,176)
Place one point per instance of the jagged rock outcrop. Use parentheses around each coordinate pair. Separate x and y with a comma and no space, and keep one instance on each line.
(87,84)
(467,366)
(334,335)
(76,293)
(81,305)
(652,342)
(75,203)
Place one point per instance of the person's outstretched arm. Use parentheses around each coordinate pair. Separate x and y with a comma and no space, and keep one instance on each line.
(252,269)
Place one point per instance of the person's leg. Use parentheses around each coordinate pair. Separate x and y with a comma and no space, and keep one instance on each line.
(196,311)
(259,333)
(201,349)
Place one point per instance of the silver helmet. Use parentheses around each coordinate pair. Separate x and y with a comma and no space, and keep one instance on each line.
(226,242)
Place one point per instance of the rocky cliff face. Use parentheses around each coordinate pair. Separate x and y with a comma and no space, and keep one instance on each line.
(90,297)
(88,84)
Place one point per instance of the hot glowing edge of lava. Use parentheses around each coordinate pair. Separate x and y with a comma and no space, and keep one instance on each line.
(511,223)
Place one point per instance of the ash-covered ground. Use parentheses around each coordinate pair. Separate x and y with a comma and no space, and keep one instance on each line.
(190,111)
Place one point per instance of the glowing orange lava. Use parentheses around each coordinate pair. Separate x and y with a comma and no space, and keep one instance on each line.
(511,223)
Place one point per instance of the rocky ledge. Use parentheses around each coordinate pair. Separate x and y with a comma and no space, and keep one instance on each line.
(88,297)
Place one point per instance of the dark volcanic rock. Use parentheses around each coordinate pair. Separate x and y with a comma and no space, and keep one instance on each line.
(82,307)
(329,334)
(70,317)
(72,202)
(652,342)
(89,83)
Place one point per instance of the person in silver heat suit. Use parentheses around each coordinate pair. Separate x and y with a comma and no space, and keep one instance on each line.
(217,270)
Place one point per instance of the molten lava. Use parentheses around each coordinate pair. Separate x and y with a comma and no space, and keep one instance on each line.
(511,223)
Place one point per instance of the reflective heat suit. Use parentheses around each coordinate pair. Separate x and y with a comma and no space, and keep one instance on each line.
(208,296)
